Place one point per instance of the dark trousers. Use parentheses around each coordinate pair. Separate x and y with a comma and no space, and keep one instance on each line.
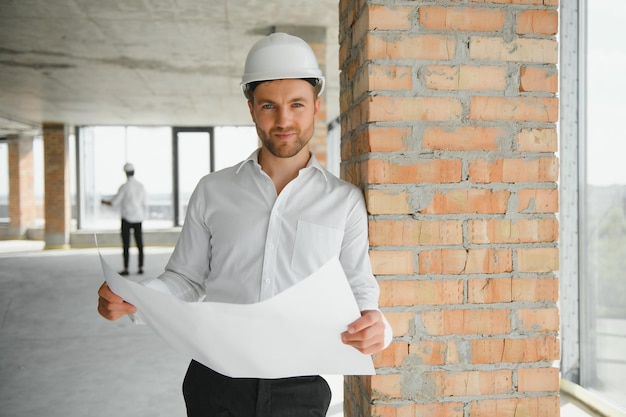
(210,394)
(126,227)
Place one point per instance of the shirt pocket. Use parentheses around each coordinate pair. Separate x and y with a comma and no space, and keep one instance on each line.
(314,246)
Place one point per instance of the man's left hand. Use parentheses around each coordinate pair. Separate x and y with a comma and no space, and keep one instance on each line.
(367,334)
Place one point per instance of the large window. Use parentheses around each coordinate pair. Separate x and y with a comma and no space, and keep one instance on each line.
(233,144)
(168,161)
(593,198)
(603,279)
(194,160)
(103,152)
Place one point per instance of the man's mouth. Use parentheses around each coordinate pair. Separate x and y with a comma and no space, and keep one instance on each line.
(284,135)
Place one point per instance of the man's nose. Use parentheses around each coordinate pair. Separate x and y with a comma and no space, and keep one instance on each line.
(283,116)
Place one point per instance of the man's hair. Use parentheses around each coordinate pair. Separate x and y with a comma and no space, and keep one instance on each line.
(251,86)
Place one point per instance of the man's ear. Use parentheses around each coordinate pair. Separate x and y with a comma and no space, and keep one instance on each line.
(251,108)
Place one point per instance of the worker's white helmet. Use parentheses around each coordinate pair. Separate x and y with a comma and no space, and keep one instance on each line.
(281,56)
(128,167)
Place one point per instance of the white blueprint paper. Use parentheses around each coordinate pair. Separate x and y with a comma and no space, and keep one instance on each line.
(295,333)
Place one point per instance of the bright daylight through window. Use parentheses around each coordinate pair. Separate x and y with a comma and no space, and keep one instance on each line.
(602,285)
(103,151)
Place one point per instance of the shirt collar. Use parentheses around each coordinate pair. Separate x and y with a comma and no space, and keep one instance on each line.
(254,159)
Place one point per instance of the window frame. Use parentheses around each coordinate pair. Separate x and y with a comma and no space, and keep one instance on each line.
(572,134)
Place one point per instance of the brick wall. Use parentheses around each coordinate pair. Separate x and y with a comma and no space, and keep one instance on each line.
(317,145)
(449,115)
(22,205)
(57,186)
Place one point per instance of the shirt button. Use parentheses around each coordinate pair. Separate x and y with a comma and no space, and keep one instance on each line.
(267,281)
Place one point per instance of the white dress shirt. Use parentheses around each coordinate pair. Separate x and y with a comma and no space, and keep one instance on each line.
(131,197)
(243,243)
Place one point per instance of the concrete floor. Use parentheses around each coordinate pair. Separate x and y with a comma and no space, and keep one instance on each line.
(59,358)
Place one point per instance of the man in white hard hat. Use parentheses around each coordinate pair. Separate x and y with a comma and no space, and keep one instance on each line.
(131,198)
(261,226)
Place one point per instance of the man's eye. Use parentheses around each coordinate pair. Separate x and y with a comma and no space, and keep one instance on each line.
(298,105)
(267,106)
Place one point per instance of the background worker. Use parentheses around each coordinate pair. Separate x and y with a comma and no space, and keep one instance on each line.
(255,229)
(131,198)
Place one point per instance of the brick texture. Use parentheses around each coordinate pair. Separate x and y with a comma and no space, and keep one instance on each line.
(57,186)
(22,205)
(317,143)
(448,117)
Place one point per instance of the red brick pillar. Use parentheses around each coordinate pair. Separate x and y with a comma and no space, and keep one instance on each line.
(319,142)
(449,115)
(22,207)
(315,36)
(57,185)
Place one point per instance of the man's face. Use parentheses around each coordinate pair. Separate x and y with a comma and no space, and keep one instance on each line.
(284,114)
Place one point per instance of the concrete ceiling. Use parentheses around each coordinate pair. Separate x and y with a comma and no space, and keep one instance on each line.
(141,62)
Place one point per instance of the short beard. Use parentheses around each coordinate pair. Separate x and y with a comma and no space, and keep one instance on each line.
(279,150)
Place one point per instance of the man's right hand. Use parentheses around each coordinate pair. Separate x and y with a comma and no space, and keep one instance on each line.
(111,306)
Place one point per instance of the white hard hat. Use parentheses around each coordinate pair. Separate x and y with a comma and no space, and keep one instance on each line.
(281,56)
(129,167)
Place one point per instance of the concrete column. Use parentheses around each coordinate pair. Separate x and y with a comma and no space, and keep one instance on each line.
(22,207)
(315,36)
(58,212)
